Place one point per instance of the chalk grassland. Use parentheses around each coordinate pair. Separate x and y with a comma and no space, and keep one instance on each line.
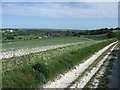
(14,49)
(23,44)
(36,69)
(14,62)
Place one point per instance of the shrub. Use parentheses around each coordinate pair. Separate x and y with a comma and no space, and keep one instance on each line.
(10,37)
(110,35)
(20,37)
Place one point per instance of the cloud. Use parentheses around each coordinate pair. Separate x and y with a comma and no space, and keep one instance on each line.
(60,0)
(61,9)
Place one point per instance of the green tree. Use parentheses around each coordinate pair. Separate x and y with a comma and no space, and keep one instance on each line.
(20,37)
(110,35)
(10,37)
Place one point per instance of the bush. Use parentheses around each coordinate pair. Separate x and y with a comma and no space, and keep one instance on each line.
(20,37)
(10,37)
(110,35)
(41,68)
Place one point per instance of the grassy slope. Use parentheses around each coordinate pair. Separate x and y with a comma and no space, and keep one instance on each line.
(96,37)
(91,67)
(102,36)
(41,42)
(46,55)
(42,70)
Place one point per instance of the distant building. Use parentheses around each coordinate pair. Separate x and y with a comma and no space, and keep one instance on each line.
(45,36)
(39,37)
(10,31)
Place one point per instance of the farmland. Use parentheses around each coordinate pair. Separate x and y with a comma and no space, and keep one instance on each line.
(33,62)
(41,42)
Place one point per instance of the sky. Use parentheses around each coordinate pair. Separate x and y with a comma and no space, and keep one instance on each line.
(60,15)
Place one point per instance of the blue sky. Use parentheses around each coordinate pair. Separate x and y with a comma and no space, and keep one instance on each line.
(61,15)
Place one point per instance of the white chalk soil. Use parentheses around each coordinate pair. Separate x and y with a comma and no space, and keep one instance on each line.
(63,81)
(85,79)
(22,52)
(95,82)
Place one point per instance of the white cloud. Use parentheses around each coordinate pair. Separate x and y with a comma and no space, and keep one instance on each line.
(96,10)
(60,0)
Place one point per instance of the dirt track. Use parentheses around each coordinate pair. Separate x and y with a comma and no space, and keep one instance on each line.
(70,76)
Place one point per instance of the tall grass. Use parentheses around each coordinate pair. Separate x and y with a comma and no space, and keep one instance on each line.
(42,70)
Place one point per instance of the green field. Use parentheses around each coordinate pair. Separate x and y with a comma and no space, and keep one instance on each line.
(23,44)
(97,37)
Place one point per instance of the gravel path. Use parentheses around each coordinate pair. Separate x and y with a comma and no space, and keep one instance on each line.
(85,79)
(95,81)
(22,52)
(70,76)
